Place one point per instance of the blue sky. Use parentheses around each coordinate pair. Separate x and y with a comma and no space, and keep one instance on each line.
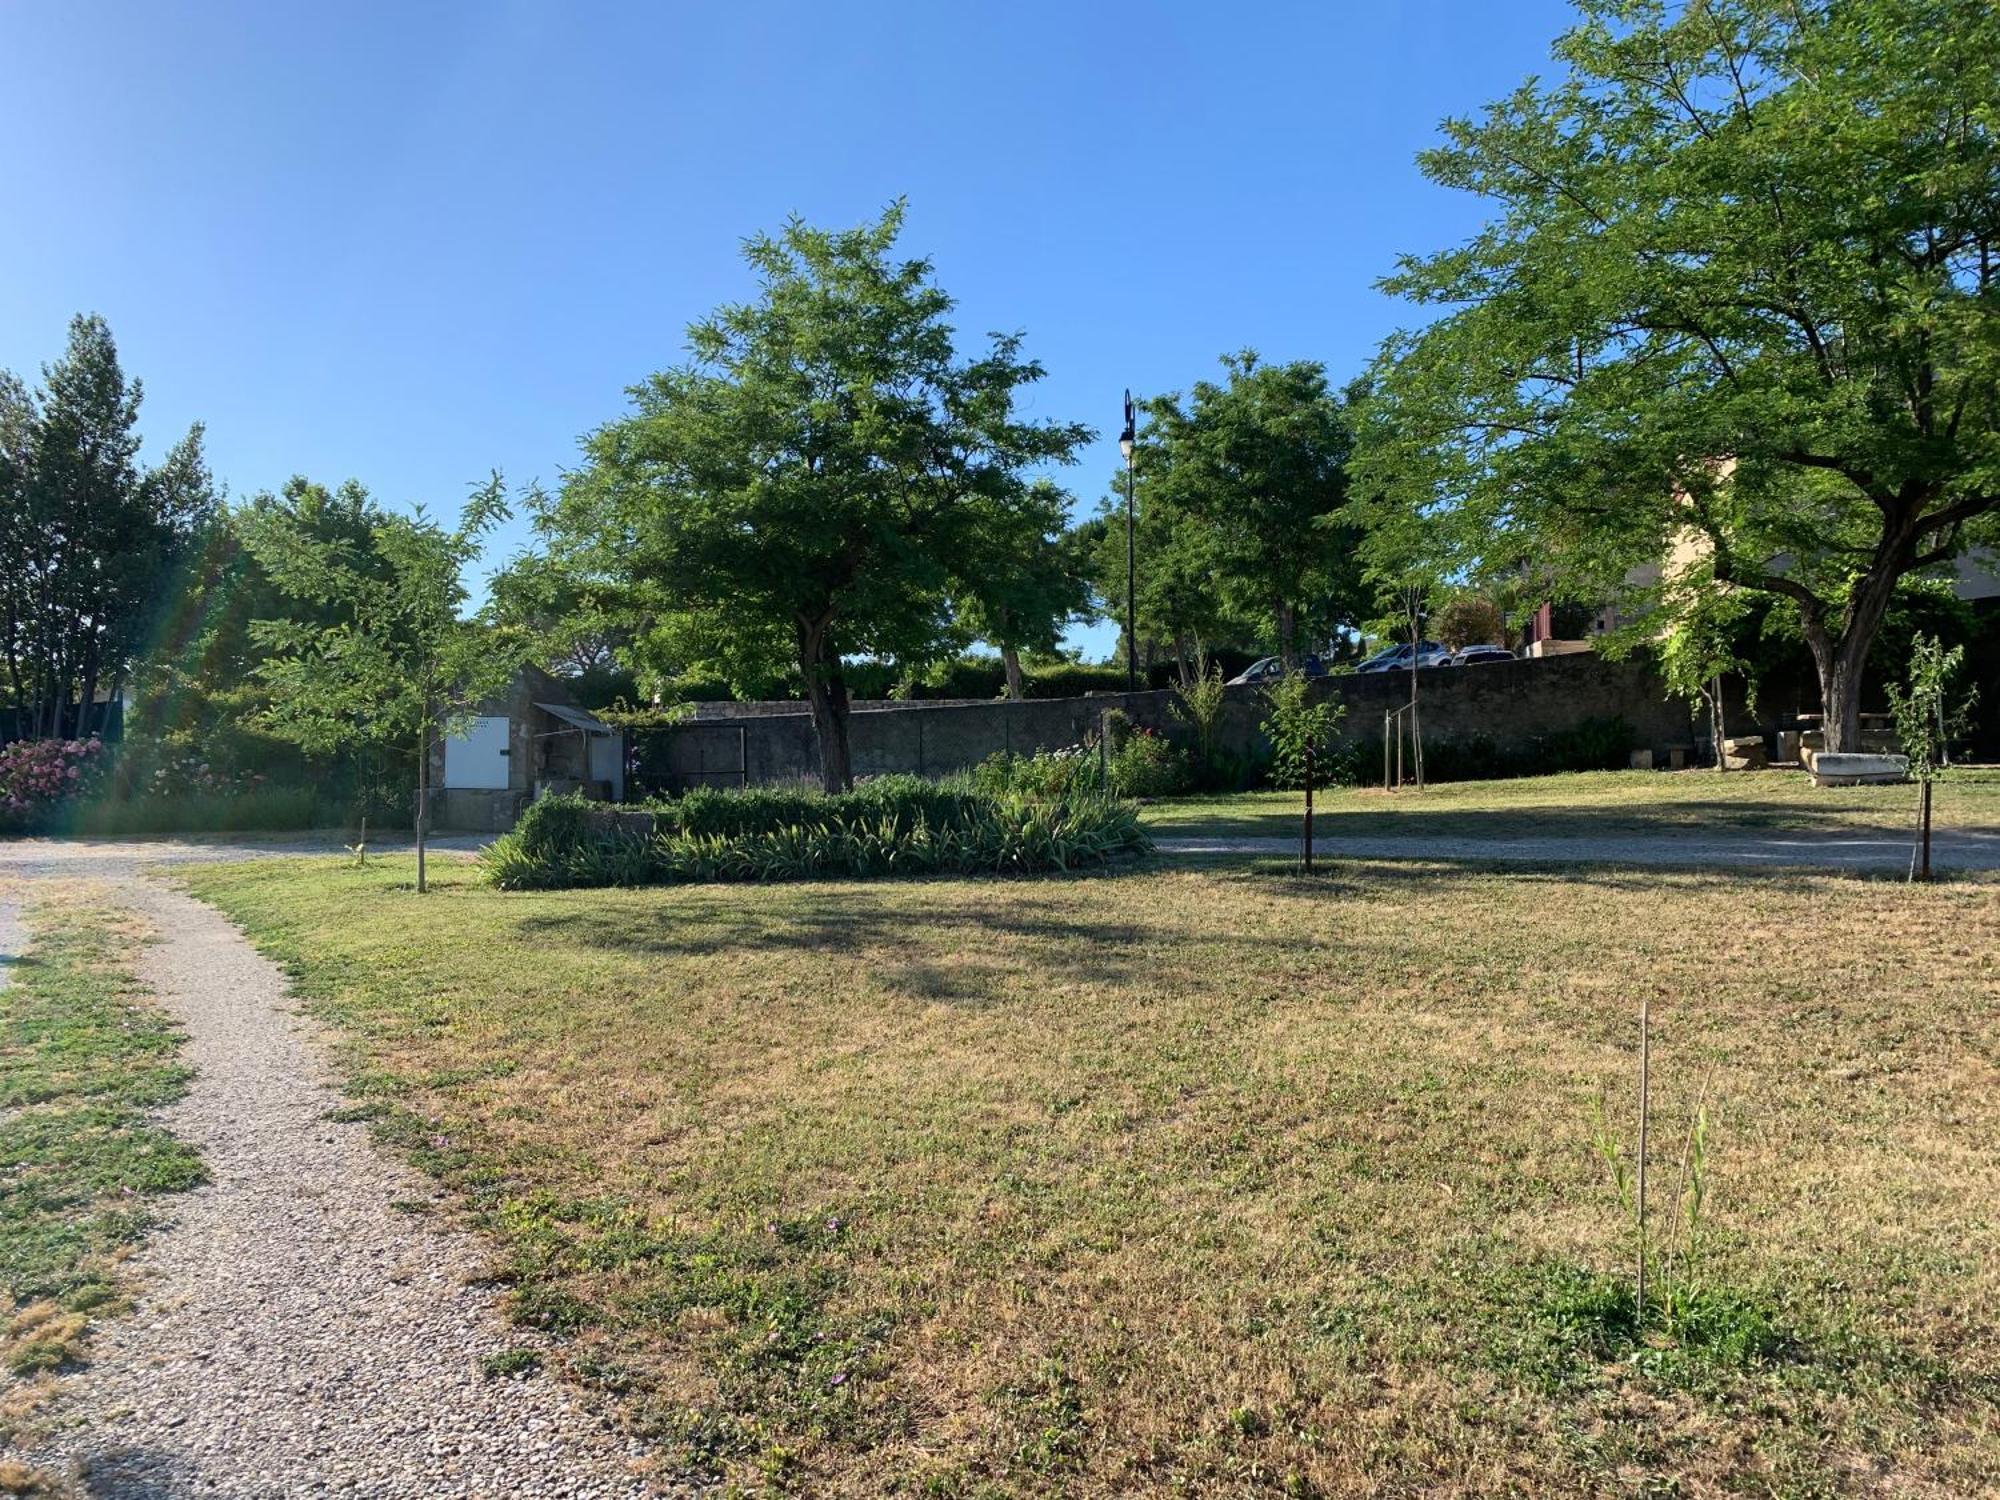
(410,243)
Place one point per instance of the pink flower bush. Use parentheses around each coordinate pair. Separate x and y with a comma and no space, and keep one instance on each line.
(38,775)
(185,775)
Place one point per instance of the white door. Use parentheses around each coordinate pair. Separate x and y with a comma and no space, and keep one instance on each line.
(477,759)
(607,762)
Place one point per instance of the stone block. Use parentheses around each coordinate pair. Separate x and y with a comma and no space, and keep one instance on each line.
(1859,770)
(1744,753)
(1642,760)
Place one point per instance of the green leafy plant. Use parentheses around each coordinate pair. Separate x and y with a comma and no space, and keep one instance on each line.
(1926,725)
(1299,727)
(1699,650)
(1198,703)
(1147,764)
(1671,1259)
(396,664)
(910,828)
(1046,773)
(1926,721)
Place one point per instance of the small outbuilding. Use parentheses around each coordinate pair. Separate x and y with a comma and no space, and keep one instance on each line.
(533,738)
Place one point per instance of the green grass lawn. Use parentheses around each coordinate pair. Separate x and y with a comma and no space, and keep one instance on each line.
(1208,1182)
(83,1058)
(1586,804)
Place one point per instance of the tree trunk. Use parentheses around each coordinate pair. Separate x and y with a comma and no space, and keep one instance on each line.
(1288,629)
(87,692)
(423,800)
(1716,729)
(1842,659)
(819,664)
(1840,695)
(1010,659)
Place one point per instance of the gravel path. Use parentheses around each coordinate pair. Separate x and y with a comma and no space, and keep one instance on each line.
(298,1333)
(1889,854)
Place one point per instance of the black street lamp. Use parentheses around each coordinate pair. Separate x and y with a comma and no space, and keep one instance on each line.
(1126,440)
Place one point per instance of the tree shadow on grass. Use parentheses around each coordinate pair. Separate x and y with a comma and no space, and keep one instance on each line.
(861,921)
(1342,876)
(1719,820)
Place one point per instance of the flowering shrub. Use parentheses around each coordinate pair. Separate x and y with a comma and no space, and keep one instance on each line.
(1148,765)
(1046,773)
(39,777)
(191,775)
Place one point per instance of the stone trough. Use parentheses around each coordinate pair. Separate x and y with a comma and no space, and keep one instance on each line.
(1859,770)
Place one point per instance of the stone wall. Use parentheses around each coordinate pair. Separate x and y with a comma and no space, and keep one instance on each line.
(1511,704)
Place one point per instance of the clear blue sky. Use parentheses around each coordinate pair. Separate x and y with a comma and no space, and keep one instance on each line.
(413,242)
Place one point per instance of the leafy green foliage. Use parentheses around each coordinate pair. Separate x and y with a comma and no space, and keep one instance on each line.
(1926,719)
(1146,763)
(820,483)
(1046,773)
(1198,703)
(906,828)
(92,541)
(1240,490)
(1300,725)
(379,655)
(1034,583)
(1737,297)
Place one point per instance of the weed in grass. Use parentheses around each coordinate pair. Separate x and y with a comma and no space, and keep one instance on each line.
(17,1478)
(509,1362)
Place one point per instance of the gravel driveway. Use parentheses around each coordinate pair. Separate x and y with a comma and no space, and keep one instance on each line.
(301,1331)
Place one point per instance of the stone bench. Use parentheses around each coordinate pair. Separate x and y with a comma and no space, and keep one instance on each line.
(1859,770)
(1744,753)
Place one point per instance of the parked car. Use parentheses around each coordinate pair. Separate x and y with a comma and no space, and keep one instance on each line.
(1472,656)
(1271,668)
(1397,658)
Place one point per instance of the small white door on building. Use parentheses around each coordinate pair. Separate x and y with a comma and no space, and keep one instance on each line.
(476,760)
(607,762)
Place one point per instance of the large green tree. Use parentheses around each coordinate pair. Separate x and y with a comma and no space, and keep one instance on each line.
(1036,582)
(375,649)
(819,482)
(1178,607)
(92,540)
(1259,462)
(1739,291)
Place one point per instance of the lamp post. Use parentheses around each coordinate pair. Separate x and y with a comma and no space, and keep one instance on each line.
(1126,440)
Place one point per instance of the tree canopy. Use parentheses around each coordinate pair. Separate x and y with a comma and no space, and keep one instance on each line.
(374,648)
(1241,487)
(820,481)
(1739,298)
(92,539)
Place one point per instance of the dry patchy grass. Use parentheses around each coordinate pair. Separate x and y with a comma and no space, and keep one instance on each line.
(1205,1182)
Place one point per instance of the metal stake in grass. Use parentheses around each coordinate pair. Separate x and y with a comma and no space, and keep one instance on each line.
(1309,808)
(1645,1081)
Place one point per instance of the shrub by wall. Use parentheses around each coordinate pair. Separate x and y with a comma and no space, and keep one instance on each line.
(898,827)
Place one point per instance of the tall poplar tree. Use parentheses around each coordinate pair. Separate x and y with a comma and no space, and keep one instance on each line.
(92,539)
